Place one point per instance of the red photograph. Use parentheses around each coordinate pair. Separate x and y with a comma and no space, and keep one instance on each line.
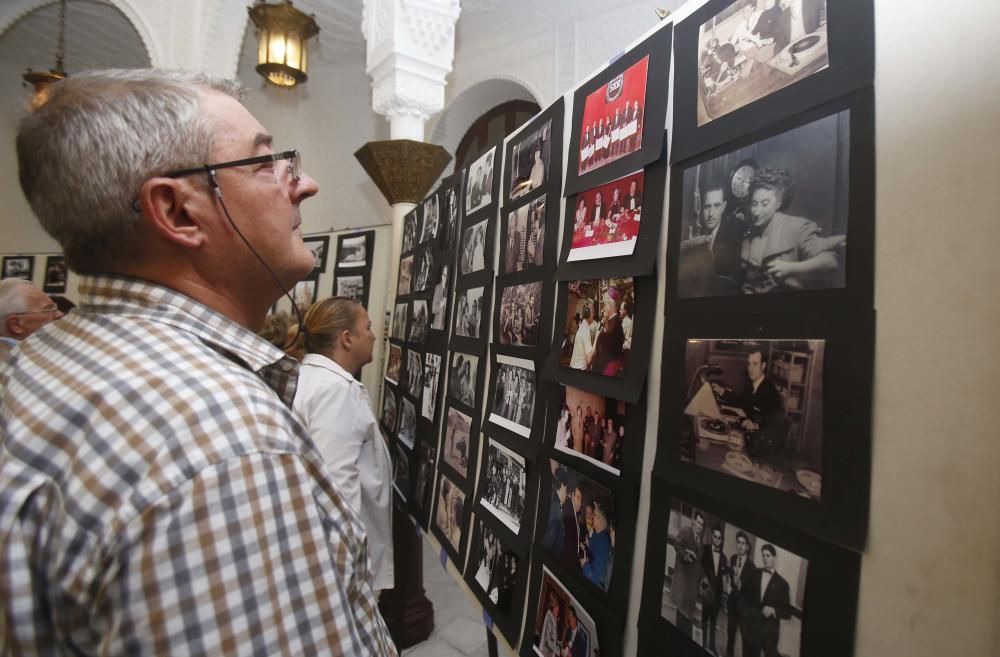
(606,219)
(612,118)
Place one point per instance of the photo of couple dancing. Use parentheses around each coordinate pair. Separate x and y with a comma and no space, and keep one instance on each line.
(598,326)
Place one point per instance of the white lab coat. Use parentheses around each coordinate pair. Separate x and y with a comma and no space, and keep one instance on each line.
(337,412)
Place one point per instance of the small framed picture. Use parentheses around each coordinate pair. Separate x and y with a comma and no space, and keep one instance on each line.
(463,377)
(55,275)
(400,321)
(355,250)
(304,293)
(514,395)
(352,286)
(319,245)
(504,486)
(411,229)
(22,267)
(497,574)
(451,517)
(439,299)
(472,307)
(743,64)
(473,256)
(414,373)
(395,363)
(479,188)
(390,417)
(405,276)
(534,155)
(520,321)
(418,322)
(407,422)
(449,197)
(592,427)
(523,240)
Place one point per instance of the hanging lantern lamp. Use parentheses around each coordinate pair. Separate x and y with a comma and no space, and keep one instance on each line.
(282,32)
(43,80)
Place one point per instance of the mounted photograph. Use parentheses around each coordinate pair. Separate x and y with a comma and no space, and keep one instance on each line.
(529,161)
(597,327)
(431,216)
(414,373)
(506,483)
(450,512)
(353,251)
(401,472)
(496,568)
(455,446)
(606,219)
(389,413)
(514,395)
(592,427)
(351,287)
(521,314)
(469,312)
(479,182)
(400,318)
(319,246)
(407,422)
(472,253)
(405,276)
(524,243)
(418,323)
(613,118)
(432,375)
(462,378)
(439,301)
(18,267)
(411,230)
(562,627)
(395,363)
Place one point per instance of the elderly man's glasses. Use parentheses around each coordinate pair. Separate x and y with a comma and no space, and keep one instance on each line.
(46,310)
(281,173)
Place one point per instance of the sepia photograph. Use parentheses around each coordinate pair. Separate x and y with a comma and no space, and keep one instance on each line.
(423,267)
(472,256)
(455,446)
(496,568)
(407,422)
(423,480)
(432,375)
(353,252)
(439,301)
(418,323)
(55,275)
(754,410)
(562,627)
(597,329)
(592,427)
(479,182)
(770,217)
(351,287)
(524,245)
(19,267)
(405,275)
(399,321)
(411,229)
(431,216)
(319,247)
(450,512)
(401,472)
(606,219)
(580,525)
(753,48)
(612,118)
(521,314)
(395,363)
(414,373)
(529,161)
(506,484)
(462,378)
(469,312)
(733,593)
(389,416)
(514,395)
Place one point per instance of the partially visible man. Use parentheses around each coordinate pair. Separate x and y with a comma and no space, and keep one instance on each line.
(741,573)
(23,310)
(577,641)
(724,232)
(714,568)
(767,604)
(157,493)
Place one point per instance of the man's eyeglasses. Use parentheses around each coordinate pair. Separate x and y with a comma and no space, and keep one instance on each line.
(293,168)
(47,309)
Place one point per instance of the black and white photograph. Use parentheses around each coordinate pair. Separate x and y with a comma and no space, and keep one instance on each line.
(423,479)
(401,472)
(418,322)
(319,246)
(19,267)
(351,287)
(55,275)
(400,317)
(754,410)
(395,364)
(592,427)
(389,413)
(597,328)
(506,483)
(472,256)
(432,375)
(405,276)
(524,245)
(469,312)
(732,592)
(530,161)
(407,422)
(414,373)
(455,446)
(423,267)
(352,251)
(770,217)
(753,48)
(462,378)
(431,217)
(514,395)
(411,230)
(521,314)
(580,525)
(562,627)
(496,568)
(439,301)
(449,210)
(450,511)
(479,182)
(305,293)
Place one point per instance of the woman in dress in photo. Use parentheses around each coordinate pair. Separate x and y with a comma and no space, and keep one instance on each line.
(537,176)
(549,641)
(335,342)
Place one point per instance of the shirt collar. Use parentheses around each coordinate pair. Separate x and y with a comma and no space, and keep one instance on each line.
(11,341)
(132,297)
(319,360)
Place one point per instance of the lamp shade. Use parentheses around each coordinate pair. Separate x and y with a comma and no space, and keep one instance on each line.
(282,32)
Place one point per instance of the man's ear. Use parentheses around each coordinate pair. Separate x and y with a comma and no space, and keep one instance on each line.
(13,327)
(172,210)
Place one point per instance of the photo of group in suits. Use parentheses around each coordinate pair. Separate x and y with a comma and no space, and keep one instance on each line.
(506,484)
(612,121)
(732,592)
(514,395)
(496,568)
(524,244)
(592,427)
(479,183)
(562,627)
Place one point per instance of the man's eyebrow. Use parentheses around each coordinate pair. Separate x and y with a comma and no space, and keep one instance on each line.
(262,139)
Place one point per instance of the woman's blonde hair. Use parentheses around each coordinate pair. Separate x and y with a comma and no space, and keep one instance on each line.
(322,326)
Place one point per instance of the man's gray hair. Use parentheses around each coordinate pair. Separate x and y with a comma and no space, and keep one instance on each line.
(84,154)
(13,298)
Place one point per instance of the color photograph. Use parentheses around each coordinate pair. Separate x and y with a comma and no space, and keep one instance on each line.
(612,118)
(592,427)
(562,626)
(597,328)
(606,219)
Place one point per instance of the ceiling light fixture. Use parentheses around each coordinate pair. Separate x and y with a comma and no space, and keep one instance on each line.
(282,32)
(43,80)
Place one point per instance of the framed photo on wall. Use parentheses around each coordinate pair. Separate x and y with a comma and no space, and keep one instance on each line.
(533,156)
(355,250)
(55,275)
(22,267)
(320,246)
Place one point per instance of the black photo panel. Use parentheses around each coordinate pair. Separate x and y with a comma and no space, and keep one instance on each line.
(355,250)
(533,158)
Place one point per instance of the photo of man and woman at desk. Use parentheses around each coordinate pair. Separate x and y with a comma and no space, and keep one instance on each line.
(754,410)
(733,593)
(753,48)
(768,217)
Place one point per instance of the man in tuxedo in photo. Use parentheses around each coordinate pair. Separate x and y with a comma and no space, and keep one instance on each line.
(713,567)
(767,604)
(741,572)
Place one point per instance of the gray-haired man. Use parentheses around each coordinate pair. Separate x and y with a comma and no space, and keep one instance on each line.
(23,310)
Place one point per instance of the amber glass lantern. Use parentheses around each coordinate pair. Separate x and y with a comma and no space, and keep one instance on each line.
(282,32)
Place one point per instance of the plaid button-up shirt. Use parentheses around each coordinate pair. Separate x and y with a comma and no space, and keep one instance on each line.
(158,497)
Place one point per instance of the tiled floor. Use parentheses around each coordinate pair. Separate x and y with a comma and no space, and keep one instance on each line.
(458,618)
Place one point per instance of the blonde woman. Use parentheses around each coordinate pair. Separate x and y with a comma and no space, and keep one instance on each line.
(336,341)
